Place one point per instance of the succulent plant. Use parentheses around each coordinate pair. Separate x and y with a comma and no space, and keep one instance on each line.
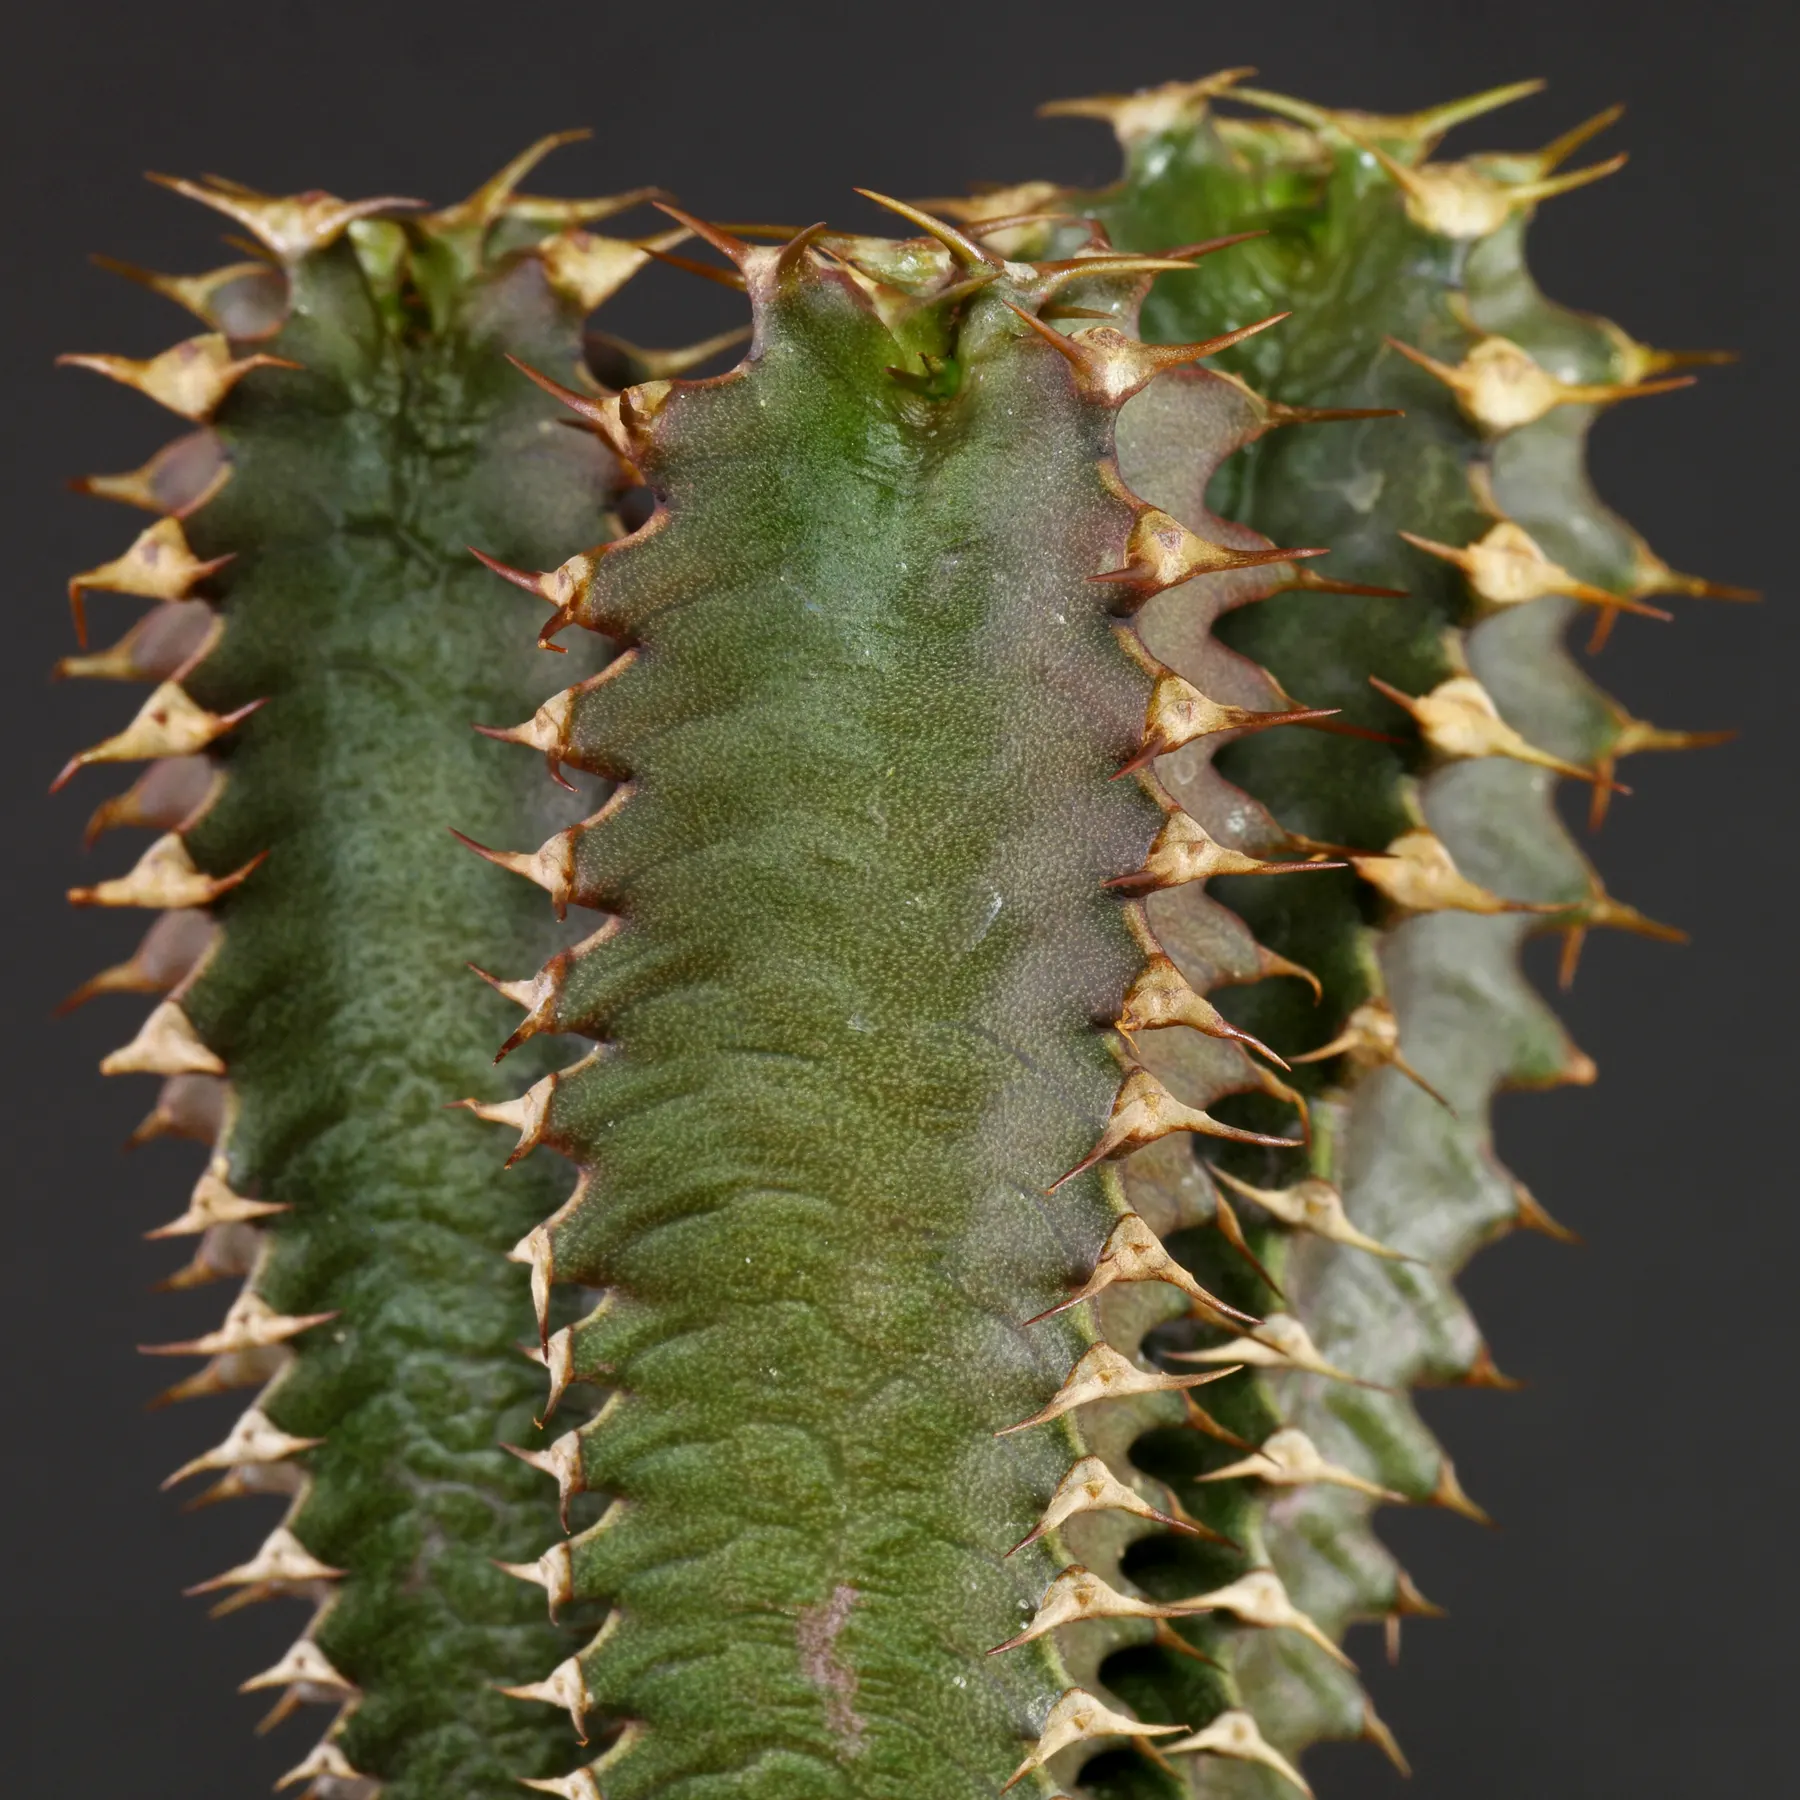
(357,425)
(994,1266)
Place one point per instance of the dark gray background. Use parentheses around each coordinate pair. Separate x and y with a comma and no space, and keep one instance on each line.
(1630,1631)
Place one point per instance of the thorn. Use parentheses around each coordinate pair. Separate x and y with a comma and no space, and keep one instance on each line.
(1110,367)
(1375,1731)
(187,1106)
(1149,112)
(1183,851)
(1501,387)
(291,226)
(198,294)
(661,365)
(1159,996)
(1162,553)
(1178,713)
(1651,575)
(493,199)
(251,1324)
(563,1687)
(171,950)
(1090,1486)
(527,1115)
(1459,719)
(586,271)
(213,1203)
(1201,1420)
(1482,1372)
(1371,1040)
(158,566)
(1530,1216)
(173,794)
(553,1571)
(1076,1718)
(792,259)
(1052,277)
(562,1461)
(166,1044)
(221,1374)
(167,641)
(733,247)
(165,877)
(1420,131)
(1410,1603)
(168,724)
(551,865)
(176,482)
(535,1251)
(546,731)
(1449,1494)
(190,379)
(1269,964)
(253,1439)
(607,418)
(1289,1458)
(1168,1638)
(1600,911)
(1076,1594)
(579,1785)
(556,1355)
(1104,1374)
(1260,1599)
(1278,414)
(282,1561)
(1233,1233)
(1417,874)
(1635,360)
(1133,1252)
(1235,1734)
(1144,1111)
(304,1664)
(567,587)
(1279,1342)
(1309,1205)
(326,1766)
(1459,200)
(1560,149)
(966,252)
(1507,567)
(723,277)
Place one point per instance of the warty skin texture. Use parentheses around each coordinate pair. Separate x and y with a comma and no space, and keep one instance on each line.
(334,1010)
(851,1016)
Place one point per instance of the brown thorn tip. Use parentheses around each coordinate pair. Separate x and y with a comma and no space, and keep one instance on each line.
(965,249)
(722,241)
(470,844)
(521,578)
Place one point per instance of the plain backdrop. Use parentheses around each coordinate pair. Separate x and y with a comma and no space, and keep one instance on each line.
(1630,1630)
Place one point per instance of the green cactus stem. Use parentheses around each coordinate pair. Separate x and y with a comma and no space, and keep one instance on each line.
(1465,535)
(877,1008)
(1057,947)
(358,426)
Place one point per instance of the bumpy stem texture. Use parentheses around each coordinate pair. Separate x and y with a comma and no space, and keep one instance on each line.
(360,427)
(875,897)
(1465,534)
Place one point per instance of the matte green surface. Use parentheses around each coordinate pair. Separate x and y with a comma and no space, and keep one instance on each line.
(1419,1176)
(339,999)
(870,728)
